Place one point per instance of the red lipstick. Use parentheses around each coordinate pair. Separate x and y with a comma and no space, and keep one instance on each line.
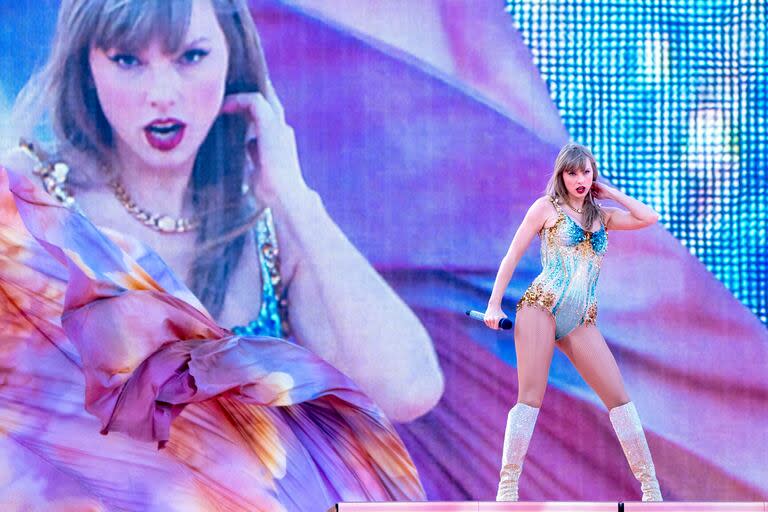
(164,134)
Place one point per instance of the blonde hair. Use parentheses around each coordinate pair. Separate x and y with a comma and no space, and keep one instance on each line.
(571,158)
(63,95)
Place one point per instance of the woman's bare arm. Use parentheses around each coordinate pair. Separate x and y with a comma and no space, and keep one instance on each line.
(638,214)
(532,223)
(340,307)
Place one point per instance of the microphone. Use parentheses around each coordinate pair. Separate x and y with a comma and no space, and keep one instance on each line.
(504,323)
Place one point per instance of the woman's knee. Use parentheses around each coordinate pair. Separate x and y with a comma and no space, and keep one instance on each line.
(616,400)
(530,397)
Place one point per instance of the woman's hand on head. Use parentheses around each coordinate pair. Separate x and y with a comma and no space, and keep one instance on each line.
(493,314)
(271,145)
(602,191)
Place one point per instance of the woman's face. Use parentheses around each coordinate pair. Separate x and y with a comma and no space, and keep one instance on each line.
(161,106)
(579,181)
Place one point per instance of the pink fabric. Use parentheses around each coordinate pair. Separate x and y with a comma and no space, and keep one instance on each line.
(248,423)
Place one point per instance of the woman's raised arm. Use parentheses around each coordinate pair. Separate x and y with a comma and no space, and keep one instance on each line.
(340,307)
(639,214)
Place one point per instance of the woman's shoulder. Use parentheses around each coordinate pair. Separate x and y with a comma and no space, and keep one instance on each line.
(542,212)
(22,159)
(545,199)
(29,160)
(544,205)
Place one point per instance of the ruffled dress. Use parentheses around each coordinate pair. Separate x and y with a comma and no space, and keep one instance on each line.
(105,357)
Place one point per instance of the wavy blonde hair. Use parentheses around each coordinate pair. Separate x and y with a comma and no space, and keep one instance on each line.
(63,96)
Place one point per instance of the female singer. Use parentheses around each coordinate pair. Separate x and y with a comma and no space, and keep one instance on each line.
(560,309)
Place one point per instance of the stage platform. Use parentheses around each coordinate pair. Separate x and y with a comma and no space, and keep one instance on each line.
(559,506)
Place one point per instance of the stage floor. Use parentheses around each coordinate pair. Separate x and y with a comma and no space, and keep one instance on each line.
(560,506)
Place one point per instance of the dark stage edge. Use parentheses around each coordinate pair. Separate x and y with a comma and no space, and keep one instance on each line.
(553,506)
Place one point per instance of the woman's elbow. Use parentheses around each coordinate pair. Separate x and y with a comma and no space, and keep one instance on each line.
(652,219)
(419,383)
(416,397)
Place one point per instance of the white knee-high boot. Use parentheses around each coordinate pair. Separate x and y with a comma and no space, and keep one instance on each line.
(520,422)
(629,430)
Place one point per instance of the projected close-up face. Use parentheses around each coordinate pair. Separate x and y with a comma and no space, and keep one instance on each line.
(160,102)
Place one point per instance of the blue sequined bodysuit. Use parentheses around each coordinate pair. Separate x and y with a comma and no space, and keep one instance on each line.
(273,317)
(570,260)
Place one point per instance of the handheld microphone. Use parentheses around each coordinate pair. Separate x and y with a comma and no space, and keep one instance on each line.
(504,323)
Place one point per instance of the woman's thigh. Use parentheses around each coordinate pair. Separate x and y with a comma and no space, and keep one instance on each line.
(589,353)
(534,346)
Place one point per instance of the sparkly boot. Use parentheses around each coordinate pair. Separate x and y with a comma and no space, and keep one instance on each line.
(628,429)
(520,423)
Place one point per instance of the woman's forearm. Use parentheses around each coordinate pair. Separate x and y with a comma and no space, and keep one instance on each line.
(638,209)
(342,309)
(503,277)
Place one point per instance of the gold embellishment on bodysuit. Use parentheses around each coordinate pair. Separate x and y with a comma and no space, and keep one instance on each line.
(551,231)
(584,248)
(537,296)
(590,317)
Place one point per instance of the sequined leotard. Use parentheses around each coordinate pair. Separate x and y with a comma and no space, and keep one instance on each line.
(273,314)
(570,260)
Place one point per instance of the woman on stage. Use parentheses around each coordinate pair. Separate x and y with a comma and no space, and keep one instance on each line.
(142,292)
(560,309)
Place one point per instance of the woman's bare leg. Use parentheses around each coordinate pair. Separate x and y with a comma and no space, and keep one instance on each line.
(589,352)
(534,345)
